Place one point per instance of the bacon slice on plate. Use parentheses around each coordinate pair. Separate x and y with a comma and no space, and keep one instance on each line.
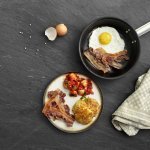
(56,109)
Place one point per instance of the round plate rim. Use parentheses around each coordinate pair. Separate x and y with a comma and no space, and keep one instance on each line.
(100,112)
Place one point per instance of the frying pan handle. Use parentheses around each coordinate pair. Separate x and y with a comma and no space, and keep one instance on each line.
(143,29)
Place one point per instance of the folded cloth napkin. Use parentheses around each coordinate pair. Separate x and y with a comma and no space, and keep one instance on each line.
(134,112)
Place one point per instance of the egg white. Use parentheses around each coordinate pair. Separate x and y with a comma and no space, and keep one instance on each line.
(117,44)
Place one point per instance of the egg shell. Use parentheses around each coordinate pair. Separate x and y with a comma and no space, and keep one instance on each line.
(51,33)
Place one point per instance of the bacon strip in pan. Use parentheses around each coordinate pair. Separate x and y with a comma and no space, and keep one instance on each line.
(103,61)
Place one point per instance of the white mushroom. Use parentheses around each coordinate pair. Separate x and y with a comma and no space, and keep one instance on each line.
(51,33)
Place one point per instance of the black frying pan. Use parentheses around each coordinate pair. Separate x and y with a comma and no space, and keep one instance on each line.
(130,36)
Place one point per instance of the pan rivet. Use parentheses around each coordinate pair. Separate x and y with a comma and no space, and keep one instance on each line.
(128,30)
(134,41)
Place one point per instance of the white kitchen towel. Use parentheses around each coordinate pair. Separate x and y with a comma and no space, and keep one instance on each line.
(134,112)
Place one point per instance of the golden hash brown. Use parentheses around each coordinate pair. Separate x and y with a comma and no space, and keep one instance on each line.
(85,109)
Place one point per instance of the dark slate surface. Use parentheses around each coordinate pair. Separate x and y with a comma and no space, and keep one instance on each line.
(24,74)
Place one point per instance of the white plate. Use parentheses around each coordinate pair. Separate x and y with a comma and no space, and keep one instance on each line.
(70,101)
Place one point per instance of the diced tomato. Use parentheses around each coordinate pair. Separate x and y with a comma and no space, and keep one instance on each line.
(73,93)
(73,76)
(77,85)
(89,91)
(81,87)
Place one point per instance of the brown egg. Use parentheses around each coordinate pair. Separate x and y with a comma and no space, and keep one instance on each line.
(61,29)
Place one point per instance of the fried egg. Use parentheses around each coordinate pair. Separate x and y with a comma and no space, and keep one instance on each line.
(107,38)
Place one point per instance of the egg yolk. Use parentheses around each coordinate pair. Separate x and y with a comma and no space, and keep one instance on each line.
(104,38)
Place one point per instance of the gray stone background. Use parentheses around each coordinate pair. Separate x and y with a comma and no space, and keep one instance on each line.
(25,73)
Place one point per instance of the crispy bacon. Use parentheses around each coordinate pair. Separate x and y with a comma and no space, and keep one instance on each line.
(102,60)
(56,109)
